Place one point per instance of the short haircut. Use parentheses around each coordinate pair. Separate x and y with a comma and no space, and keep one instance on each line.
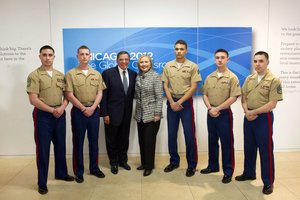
(262,53)
(181,42)
(46,47)
(83,47)
(222,50)
(121,53)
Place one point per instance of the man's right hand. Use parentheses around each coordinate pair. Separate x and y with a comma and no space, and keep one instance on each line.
(106,120)
(250,116)
(214,112)
(176,106)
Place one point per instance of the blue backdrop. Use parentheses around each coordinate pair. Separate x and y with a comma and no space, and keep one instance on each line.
(105,43)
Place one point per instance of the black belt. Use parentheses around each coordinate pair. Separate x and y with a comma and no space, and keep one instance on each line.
(177,97)
(55,106)
(213,105)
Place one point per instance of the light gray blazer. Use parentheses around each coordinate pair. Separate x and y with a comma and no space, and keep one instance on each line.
(148,95)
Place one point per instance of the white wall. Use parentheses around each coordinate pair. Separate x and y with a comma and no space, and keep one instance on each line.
(33,23)
(24,24)
(285,14)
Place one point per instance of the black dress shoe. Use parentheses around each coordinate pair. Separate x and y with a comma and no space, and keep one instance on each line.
(43,189)
(208,170)
(190,172)
(140,167)
(114,169)
(147,172)
(98,174)
(244,178)
(79,179)
(170,167)
(125,166)
(67,178)
(268,189)
(226,179)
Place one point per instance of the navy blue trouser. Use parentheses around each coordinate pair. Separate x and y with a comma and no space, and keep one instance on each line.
(186,115)
(221,127)
(258,134)
(80,124)
(47,128)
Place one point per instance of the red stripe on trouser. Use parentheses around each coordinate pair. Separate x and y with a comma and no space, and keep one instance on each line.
(270,147)
(36,140)
(193,128)
(98,150)
(74,145)
(231,139)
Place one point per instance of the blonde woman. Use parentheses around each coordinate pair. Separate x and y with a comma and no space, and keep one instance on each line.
(148,112)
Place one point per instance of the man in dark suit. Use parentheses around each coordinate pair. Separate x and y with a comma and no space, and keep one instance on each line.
(116,110)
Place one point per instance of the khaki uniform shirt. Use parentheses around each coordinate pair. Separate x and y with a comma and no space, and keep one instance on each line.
(180,80)
(49,89)
(219,89)
(259,94)
(84,87)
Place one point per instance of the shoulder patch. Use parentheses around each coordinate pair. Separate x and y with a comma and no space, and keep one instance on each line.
(28,82)
(279,89)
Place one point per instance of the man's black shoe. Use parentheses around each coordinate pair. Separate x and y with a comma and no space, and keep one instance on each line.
(43,189)
(226,179)
(79,179)
(170,167)
(140,167)
(244,178)
(147,172)
(67,178)
(125,166)
(98,174)
(268,189)
(208,171)
(114,169)
(190,172)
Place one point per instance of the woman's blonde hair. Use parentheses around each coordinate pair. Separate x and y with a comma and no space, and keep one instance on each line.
(142,56)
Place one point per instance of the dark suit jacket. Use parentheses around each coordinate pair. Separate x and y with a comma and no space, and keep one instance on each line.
(115,103)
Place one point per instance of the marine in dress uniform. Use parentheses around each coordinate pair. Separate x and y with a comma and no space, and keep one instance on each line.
(180,80)
(45,87)
(220,90)
(84,90)
(260,94)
